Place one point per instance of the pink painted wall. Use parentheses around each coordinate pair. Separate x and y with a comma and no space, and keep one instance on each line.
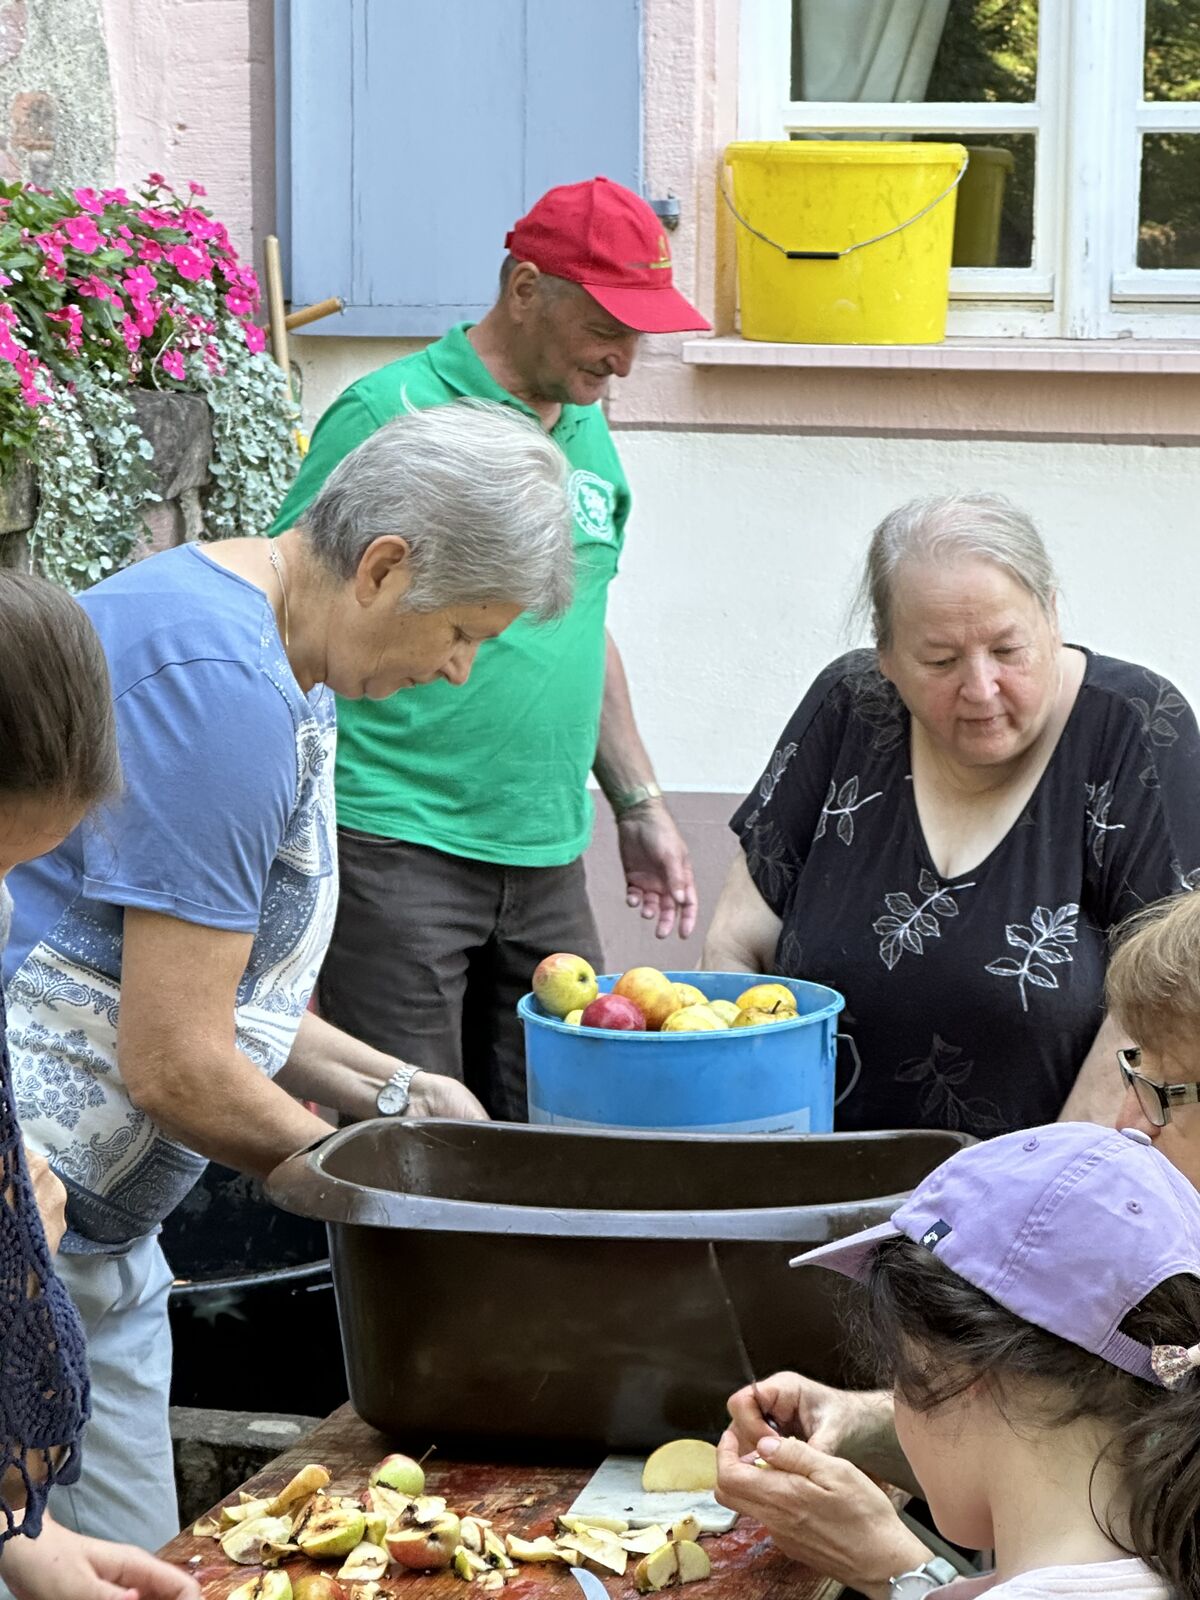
(193,90)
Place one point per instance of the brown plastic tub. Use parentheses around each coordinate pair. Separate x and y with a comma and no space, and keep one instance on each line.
(502,1286)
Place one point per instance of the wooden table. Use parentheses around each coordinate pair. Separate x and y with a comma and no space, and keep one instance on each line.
(520,1499)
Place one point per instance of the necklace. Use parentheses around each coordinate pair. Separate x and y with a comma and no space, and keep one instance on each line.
(276,561)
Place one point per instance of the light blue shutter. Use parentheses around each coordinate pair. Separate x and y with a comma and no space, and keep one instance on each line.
(413,134)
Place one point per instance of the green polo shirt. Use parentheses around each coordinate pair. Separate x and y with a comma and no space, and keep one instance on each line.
(497,769)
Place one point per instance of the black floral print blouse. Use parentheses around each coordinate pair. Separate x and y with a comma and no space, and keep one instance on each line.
(973,1000)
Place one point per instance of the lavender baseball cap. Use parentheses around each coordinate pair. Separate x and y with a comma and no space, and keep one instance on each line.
(1068,1226)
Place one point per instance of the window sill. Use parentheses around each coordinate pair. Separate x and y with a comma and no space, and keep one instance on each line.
(1130,356)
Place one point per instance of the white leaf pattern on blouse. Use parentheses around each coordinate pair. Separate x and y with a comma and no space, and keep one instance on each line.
(847,804)
(940,1074)
(1045,940)
(1099,801)
(908,925)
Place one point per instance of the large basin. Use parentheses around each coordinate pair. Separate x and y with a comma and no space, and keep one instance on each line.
(502,1286)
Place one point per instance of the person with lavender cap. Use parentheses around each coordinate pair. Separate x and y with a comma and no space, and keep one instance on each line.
(1034,1306)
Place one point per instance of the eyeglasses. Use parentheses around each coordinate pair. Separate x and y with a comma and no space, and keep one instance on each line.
(1157,1100)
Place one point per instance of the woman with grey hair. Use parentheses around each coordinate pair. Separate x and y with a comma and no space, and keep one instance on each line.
(161,959)
(951,823)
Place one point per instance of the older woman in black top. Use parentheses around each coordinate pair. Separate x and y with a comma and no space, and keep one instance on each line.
(951,823)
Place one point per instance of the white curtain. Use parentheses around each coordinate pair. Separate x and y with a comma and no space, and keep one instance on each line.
(877,50)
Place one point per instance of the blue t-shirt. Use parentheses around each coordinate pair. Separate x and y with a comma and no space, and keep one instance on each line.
(226,820)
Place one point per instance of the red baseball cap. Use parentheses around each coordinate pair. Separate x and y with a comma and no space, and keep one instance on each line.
(606,239)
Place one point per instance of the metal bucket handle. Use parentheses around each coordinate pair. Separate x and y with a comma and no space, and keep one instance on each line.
(856,1074)
(838,255)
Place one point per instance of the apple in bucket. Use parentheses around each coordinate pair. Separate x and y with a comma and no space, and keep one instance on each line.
(564,983)
(613,1011)
(651,991)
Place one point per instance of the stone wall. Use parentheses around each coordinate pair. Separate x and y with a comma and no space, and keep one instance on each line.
(180,429)
(57,124)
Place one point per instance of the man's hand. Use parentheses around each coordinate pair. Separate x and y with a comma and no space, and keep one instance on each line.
(51,1197)
(61,1564)
(432,1095)
(819,1510)
(658,869)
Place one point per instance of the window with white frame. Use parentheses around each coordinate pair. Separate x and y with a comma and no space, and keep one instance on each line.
(1079,215)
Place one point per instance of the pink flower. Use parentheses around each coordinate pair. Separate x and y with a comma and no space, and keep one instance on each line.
(157,180)
(94,288)
(255,337)
(199,224)
(239,304)
(189,263)
(83,234)
(4,280)
(72,317)
(88,200)
(212,358)
(172,363)
(51,245)
(146,313)
(197,188)
(131,334)
(149,250)
(139,283)
(115,197)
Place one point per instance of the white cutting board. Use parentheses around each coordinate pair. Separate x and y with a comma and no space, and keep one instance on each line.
(615,1490)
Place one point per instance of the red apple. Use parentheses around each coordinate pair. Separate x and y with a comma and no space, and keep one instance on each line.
(651,991)
(613,1011)
(563,983)
(424,1549)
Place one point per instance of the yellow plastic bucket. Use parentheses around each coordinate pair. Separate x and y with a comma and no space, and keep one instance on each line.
(841,242)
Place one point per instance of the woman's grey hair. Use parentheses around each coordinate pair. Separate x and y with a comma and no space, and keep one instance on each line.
(480,494)
(951,527)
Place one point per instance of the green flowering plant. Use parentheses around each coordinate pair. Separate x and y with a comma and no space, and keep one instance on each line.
(102,294)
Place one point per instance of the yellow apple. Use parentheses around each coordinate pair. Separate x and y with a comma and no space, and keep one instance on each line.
(725,1009)
(651,991)
(755,1016)
(564,983)
(689,995)
(767,997)
(572,1018)
(695,1019)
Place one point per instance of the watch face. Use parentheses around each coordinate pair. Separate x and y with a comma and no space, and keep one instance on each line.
(913,1586)
(391,1100)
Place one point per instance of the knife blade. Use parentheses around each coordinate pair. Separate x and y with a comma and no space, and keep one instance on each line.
(735,1327)
(589,1583)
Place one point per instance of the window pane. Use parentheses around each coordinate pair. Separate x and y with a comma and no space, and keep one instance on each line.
(1172,50)
(1169,213)
(993,221)
(884,51)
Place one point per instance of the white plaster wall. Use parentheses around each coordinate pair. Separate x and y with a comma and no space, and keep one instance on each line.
(744,550)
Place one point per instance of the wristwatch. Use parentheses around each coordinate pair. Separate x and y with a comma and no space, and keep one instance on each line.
(392,1099)
(628,798)
(922,1580)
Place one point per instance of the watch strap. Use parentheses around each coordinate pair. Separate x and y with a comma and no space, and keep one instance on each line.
(932,1574)
(401,1082)
(628,798)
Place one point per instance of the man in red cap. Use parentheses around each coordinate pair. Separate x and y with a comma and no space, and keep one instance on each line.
(463,811)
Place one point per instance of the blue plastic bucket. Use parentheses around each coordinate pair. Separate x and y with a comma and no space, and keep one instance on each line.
(775,1078)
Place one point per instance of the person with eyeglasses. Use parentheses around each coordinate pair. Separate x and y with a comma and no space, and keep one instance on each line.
(1153,988)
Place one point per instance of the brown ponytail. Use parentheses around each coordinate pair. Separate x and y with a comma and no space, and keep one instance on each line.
(58,737)
(931,1335)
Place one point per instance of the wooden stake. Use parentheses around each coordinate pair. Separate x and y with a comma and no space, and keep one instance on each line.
(279,338)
